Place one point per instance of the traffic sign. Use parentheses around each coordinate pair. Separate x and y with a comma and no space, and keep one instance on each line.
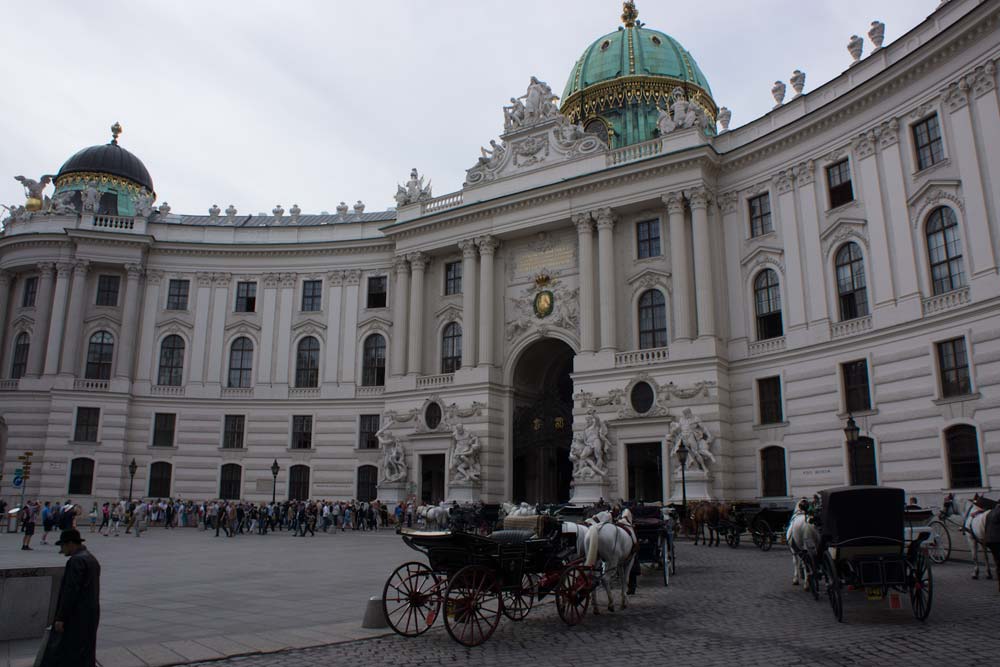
(18,481)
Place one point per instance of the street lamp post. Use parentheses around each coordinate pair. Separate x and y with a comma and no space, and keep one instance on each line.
(132,467)
(851,432)
(682,457)
(274,473)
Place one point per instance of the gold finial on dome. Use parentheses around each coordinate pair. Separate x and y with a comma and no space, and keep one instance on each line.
(116,129)
(629,13)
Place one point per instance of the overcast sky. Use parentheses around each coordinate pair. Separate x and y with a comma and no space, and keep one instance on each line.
(313,103)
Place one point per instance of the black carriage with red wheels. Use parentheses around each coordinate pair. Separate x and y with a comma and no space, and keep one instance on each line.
(473,580)
(863,549)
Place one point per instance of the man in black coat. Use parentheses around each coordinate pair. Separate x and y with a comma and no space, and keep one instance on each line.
(73,642)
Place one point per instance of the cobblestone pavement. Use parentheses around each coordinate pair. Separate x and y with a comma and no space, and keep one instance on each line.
(724,607)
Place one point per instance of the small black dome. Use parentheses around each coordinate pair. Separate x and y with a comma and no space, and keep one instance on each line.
(108,159)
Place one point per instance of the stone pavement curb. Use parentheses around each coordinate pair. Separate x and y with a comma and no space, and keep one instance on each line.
(207,649)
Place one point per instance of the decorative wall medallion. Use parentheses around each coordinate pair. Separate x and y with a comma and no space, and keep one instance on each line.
(544,301)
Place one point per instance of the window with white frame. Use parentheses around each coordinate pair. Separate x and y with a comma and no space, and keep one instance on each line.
(953,366)
(944,251)
(928,143)
(852,293)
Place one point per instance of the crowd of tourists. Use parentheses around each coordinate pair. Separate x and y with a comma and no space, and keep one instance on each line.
(221,517)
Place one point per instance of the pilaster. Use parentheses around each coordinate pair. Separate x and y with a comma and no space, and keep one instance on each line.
(487,250)
(199,349)
(414,355)
(469,285)
(606,261)
(331,351)
(43,313)
(400,323)
(283,347)
(216,334)
(879,280)
(703,273)
(680,266)
(352,295)
(585,235)
(792,290)
(77,301)
(130,323)
(58,319)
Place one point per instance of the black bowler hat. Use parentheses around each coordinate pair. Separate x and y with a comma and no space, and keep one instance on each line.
(71,535)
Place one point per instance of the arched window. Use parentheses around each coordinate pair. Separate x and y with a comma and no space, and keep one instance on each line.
(367,483)
(231,482)
(159,479)
(944,249)
(373,362)
(451,348)
(963,457)
(240,362)
(851,285)
(307,363)
(99,353)
(81,477)
(652,320)
(767,304)
(171,372)
(772,468)
(861,456)
(20,363)
(298,483)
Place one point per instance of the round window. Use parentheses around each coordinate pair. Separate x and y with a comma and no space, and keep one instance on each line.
(656,40)
(605,45)
(642,397)
(432,416)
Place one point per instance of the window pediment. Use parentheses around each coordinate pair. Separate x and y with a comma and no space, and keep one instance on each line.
(102,320)
(764,255)
(649,279)
(844,229)
(449,312)
(933,194)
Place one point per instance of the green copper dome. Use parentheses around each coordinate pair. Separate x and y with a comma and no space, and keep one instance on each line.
(623,77)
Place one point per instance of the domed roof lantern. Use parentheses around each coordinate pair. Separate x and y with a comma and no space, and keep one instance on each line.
(106,162)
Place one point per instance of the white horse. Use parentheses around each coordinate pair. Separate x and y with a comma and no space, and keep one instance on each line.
(801,537)
(435,516)
(614,545)
(976,520)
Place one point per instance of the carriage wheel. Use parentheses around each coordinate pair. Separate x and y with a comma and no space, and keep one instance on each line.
(665,561)
(763,537)
(834,587)
(517,603)
(411,599)
(733,538)
(939,546)
(573,594)
(472,605)
(921,587)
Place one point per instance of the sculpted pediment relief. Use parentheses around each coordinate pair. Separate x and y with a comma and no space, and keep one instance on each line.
(933,194)
(22,323)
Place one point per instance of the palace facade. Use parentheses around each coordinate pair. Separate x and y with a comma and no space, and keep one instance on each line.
(625,255)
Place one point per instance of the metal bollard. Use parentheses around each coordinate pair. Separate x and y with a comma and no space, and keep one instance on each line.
(374,615)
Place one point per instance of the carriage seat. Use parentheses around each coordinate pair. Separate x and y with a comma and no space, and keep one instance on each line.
(539,525)
(874,546)
(511,536)
(920,517)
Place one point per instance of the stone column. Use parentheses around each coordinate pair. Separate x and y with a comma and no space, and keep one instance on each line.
(469,284)
(4,302)
(585,236)
(606,262)
(283,341)
(130,323)
(401,306)
(487,249)
(414,355)
(43,312)
(680,266)
(704,289)
(77,300)
(334,297)
(57,322)
(148,350)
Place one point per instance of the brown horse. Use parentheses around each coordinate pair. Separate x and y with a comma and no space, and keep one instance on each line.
(706,516)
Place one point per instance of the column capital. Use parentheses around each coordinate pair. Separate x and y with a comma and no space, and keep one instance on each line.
(4,278)
(221,279)
(46,269)
(468,247)
(134,271)
(784,180)
(204,279)
(335,278)
(65,269)
(604,218)
(418,260)
(154,277)
(271,280)
(583,222)
(352,277)
(488,245)
(674,201)
(698,199)
(81,268)
(400,265)
(289,279)
(805,173)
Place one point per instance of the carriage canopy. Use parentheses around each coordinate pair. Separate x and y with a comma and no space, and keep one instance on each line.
(863,515)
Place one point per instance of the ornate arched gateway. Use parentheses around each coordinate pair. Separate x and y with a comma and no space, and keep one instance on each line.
(542,425)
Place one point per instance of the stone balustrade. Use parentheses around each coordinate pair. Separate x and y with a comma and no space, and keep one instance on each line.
(8,385)
(370,391)
(114,222)
(760,347)
(91,385)
(440,380)
(851,327)
(237,392)
(442,203)
(166,390)
(946,301)
(635,152)
(653,355)
(303,392)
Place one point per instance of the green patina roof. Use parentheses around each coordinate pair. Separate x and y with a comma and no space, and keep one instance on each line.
(634,52)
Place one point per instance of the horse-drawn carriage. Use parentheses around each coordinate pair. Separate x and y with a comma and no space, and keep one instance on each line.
(472,579)
(765,525)
(654,531)
(863,547)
